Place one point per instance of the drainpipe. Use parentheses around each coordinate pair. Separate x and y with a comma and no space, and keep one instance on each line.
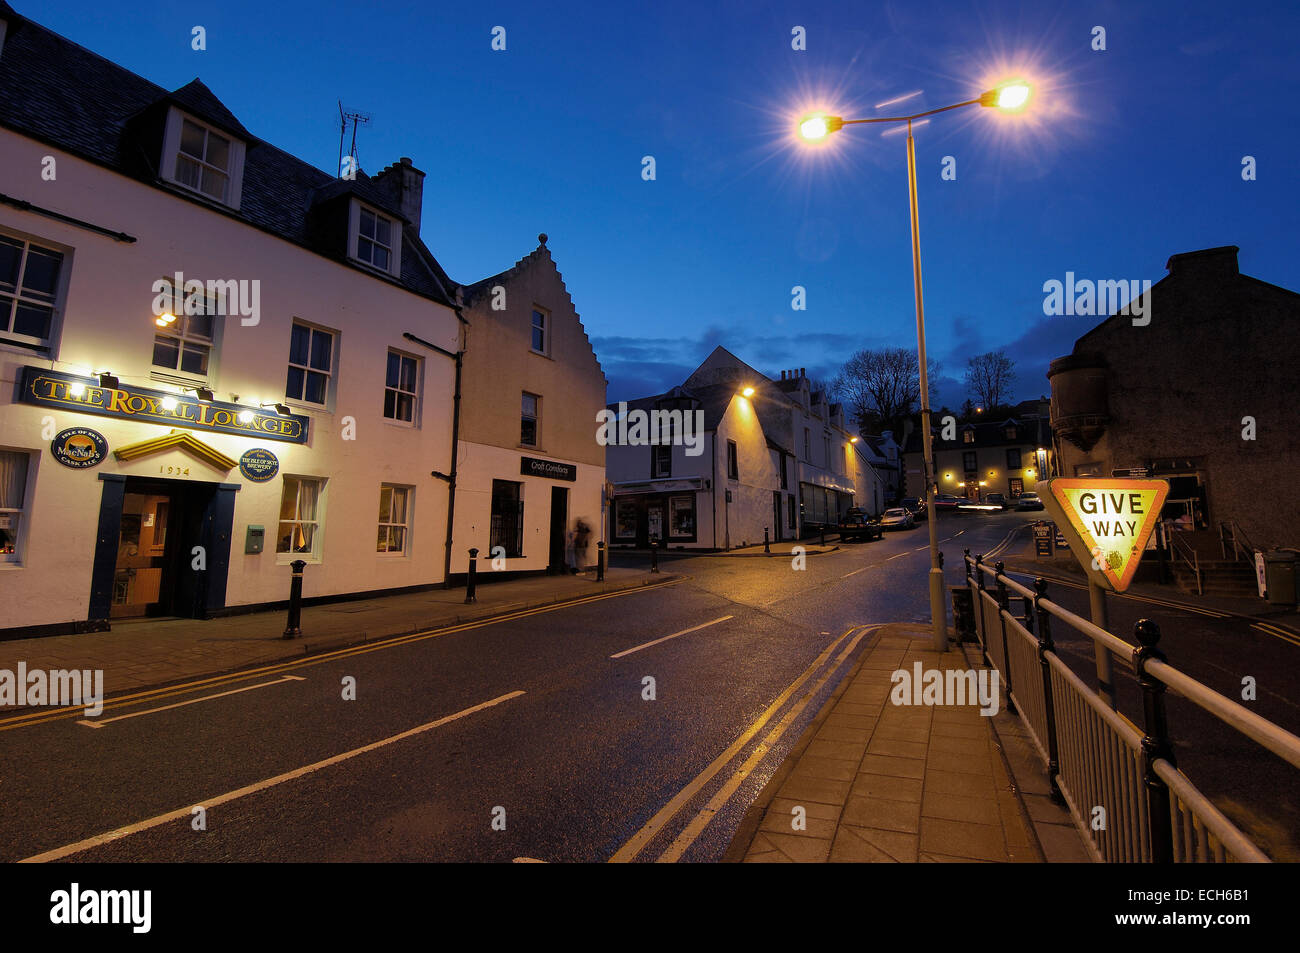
(713,494)
(450,478)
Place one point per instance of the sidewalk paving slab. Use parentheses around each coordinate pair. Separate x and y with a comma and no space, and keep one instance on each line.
(886,783)
(149,653)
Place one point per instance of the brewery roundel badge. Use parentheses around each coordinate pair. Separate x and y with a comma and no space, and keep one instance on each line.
(79,447)
(259,465)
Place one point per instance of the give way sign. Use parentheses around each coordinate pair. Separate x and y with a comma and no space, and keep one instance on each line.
(1106,522)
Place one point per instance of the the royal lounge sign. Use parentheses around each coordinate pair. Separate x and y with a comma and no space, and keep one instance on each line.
(85,395)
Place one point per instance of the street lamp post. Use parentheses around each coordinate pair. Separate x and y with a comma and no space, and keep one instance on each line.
(1010,97)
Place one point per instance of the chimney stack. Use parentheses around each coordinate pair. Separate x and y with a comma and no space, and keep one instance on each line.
(405,184)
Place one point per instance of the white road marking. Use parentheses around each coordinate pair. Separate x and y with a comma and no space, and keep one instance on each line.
(184,812)
(694,628)
(101,722)
(846,576)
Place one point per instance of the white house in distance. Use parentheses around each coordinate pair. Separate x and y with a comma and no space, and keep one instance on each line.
(751,473)
(529,467)
(172,452)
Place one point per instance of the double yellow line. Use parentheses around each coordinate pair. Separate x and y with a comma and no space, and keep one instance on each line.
(71,711)
(642,838)
(1284,634)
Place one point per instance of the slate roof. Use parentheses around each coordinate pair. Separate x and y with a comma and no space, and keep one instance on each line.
(61,94)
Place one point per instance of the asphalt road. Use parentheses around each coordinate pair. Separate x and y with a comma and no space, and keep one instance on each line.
(530,738)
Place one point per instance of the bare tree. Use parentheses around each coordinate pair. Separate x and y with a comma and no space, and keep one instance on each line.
(989,378)
(882,386)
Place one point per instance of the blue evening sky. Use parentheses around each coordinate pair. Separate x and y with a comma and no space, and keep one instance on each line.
(1125,157)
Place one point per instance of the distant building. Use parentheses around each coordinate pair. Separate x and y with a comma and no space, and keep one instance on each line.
(1204,395)
(529,464)
(759,467)
(1007,456)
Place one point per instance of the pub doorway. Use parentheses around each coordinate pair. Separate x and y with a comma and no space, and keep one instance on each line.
(163,548)
(559,529)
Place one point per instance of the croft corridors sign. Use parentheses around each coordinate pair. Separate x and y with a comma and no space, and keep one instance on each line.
(85,395)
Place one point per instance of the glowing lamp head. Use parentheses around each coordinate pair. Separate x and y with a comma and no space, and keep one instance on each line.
(245,416)
(165,319)
(1009,97)
(76,390)
(853,440)
(747,392)
(815,127)
(169,403)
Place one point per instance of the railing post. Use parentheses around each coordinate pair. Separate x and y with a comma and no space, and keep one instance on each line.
(1046,645)
(1003,603)
(294,627)
(1155,742)
(982,627)
(471,578)
(600,561)
(767,547)
(654,555)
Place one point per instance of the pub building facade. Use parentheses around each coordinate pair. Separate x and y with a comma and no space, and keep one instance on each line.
(215,359)
(529,467)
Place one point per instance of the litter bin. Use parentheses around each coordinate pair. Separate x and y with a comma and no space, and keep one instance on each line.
(1279,577)
(963,614)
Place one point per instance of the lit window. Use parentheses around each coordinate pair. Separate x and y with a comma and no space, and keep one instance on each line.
(393,518)
(203,160)
(13,501)
(29,281)
(968,436)
(401,387)
(299,516)
(185,345)
(311,357)
(375,240)
(539,332)
(528,420)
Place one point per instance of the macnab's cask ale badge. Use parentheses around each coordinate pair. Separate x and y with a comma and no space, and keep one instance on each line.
(79,447)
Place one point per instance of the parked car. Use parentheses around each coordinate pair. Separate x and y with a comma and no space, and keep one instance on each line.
(897,518)
(859,525)
(914,506)
(1029,501)
(998,498)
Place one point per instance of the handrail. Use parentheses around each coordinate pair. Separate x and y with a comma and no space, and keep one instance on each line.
(1243,550)
(1191,557)
(1255,727)
(1162,811)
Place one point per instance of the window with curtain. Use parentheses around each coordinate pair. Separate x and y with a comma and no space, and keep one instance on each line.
(13,498)
(299,516)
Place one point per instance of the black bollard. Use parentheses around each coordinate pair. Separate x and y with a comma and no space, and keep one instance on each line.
(767,547)
(654,555)
(294,629)
(471,578)
(600,561)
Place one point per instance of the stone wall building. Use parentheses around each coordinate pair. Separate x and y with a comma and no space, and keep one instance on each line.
(1204,395)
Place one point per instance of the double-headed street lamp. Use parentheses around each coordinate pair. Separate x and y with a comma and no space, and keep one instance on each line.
(1010,97)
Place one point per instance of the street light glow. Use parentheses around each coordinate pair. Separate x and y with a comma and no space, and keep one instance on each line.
(1010,96)
(814,127)
(747,392)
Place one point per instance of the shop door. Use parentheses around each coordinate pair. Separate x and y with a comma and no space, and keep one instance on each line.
(141,552)
(655,522)
(559,526)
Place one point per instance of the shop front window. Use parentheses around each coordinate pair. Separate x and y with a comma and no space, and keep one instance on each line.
(625,519)
(13,498)
(681,516)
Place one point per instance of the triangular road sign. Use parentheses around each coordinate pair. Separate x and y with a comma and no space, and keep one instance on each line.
(1106,522)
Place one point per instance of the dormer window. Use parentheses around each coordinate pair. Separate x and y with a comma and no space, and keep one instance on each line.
(968,436)
(375,239)
(203,159)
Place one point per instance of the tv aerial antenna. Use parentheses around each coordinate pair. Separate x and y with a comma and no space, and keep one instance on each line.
(349,118)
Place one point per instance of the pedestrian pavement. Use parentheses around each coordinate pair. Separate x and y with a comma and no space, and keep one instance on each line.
(148,653)
(885,783)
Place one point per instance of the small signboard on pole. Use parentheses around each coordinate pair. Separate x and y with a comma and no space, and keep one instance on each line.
(1044,539)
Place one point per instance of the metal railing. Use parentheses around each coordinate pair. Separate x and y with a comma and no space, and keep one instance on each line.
(1181,550)
(1120,783)
(1231,537)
